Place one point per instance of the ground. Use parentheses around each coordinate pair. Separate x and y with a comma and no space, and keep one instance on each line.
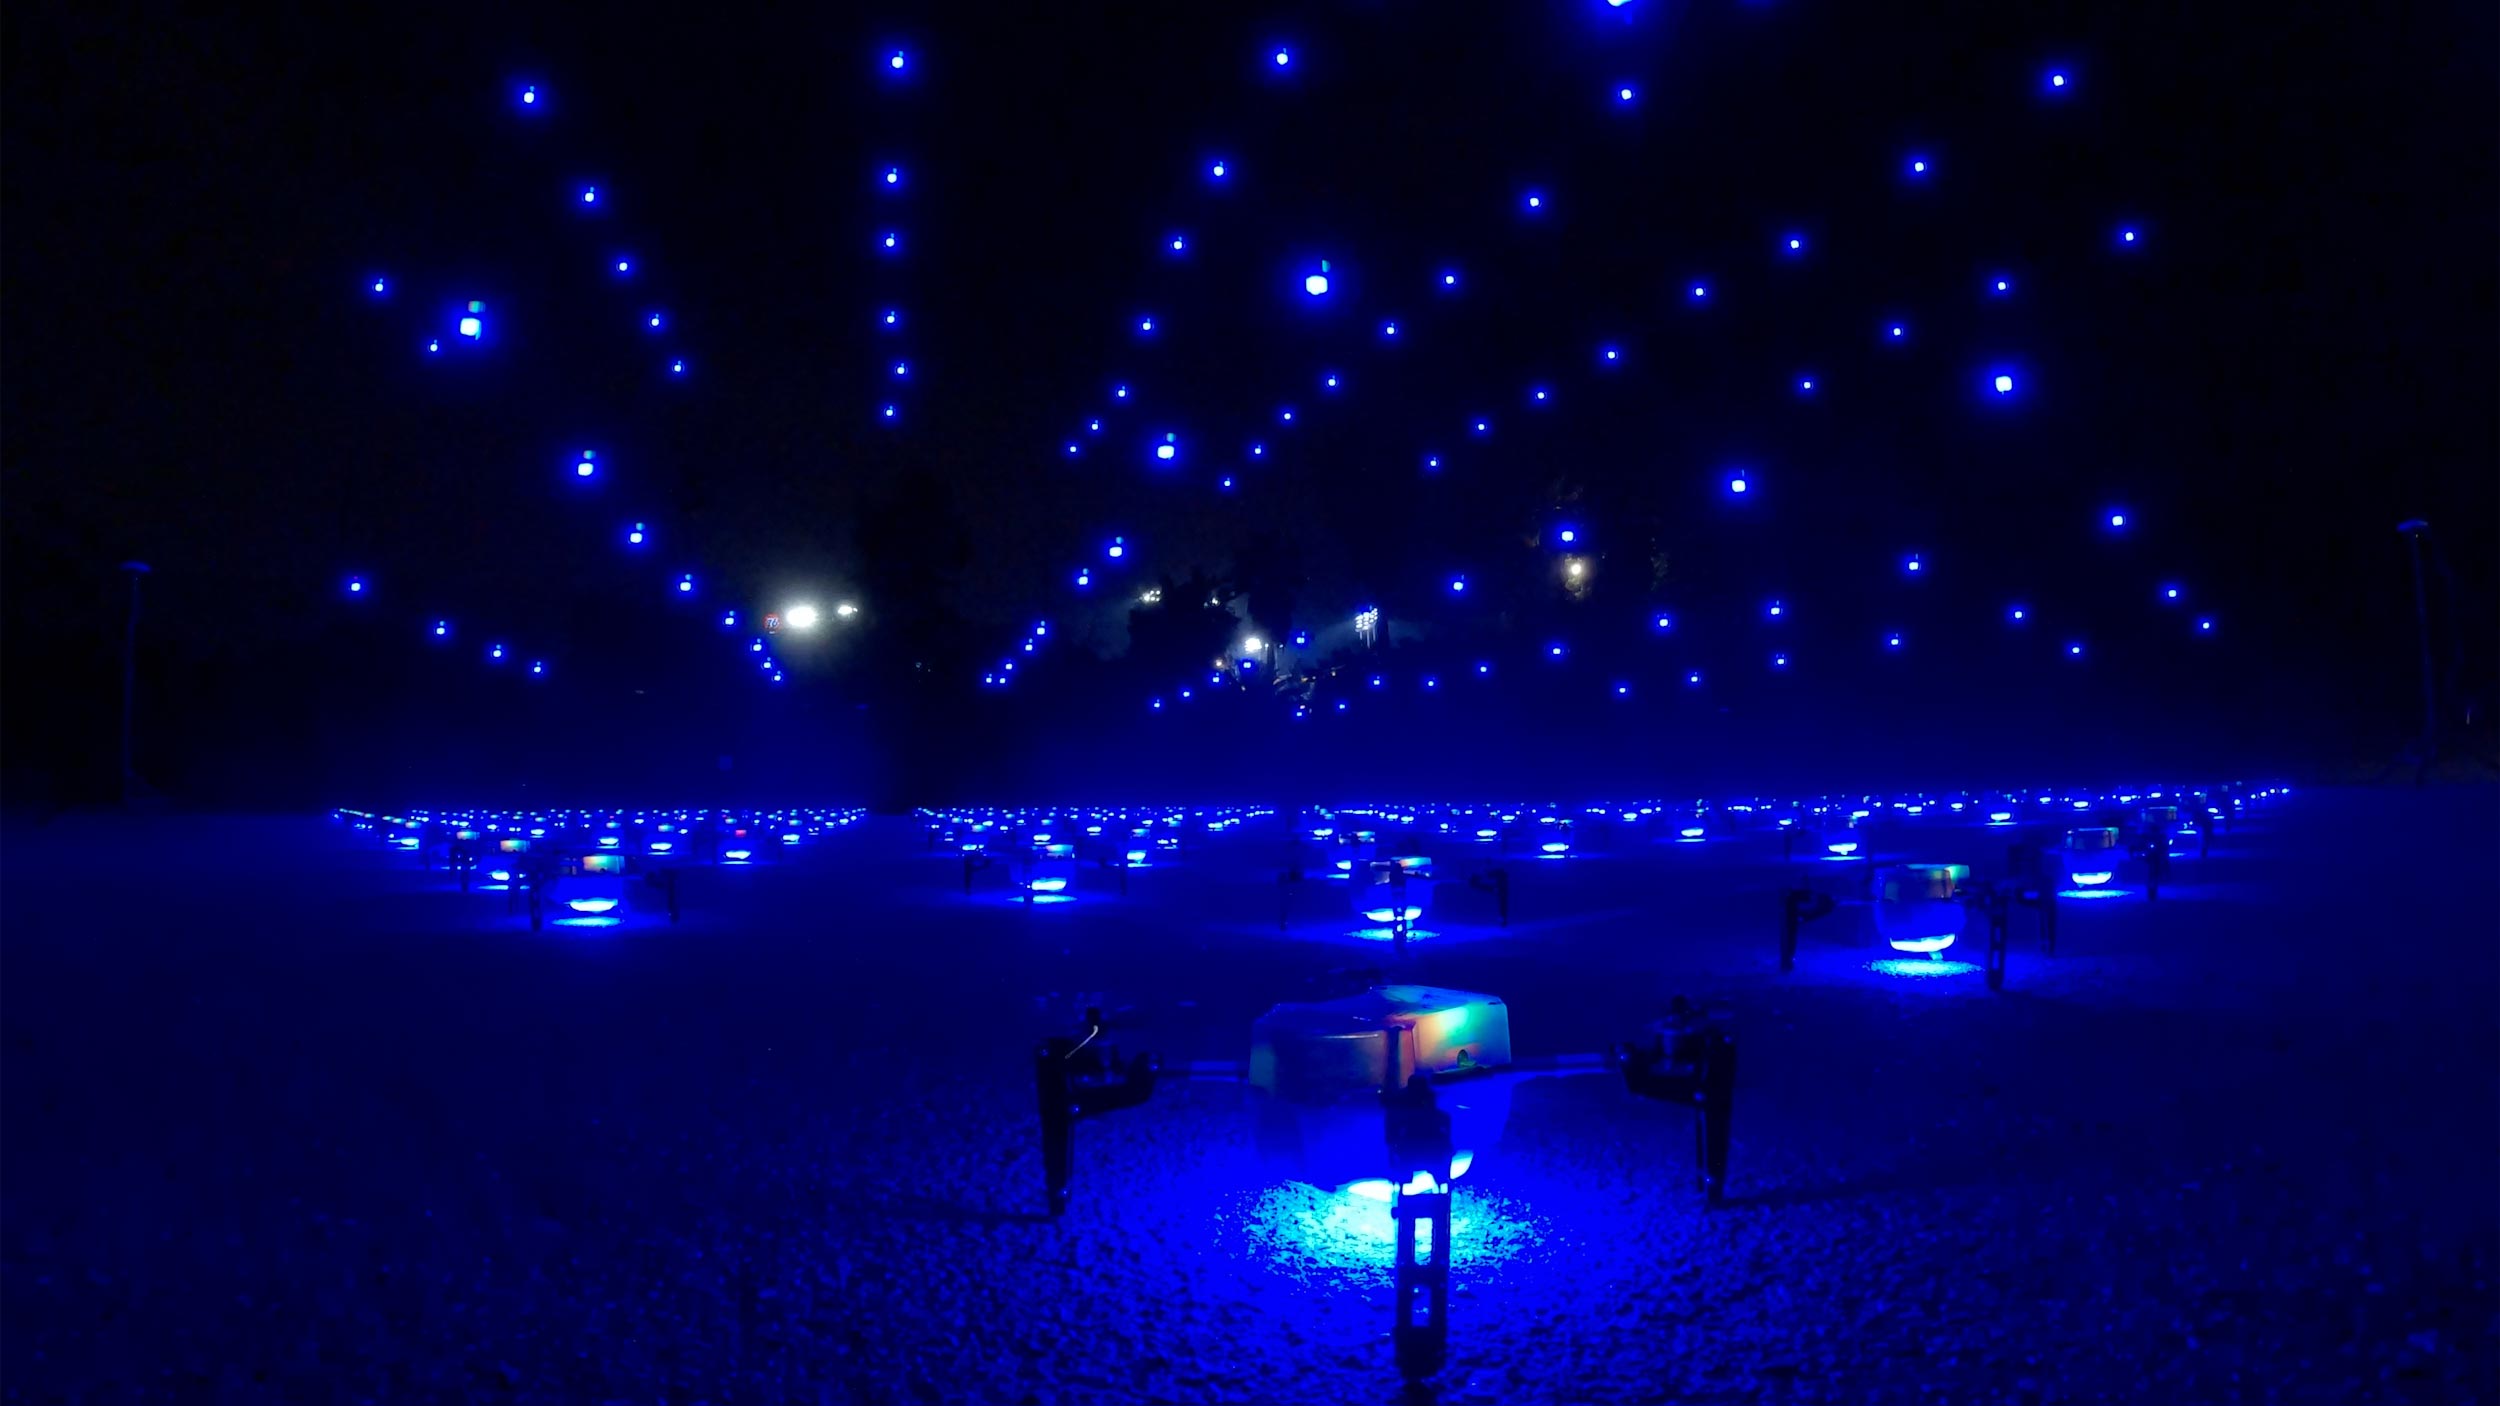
(288,1118)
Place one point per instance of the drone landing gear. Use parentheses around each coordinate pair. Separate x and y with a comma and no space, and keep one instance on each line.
(1419,1200)
(1076,1079)
(1690,1058)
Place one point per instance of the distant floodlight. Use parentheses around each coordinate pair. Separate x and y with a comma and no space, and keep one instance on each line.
(846,610)
(800,617)
(2117,520)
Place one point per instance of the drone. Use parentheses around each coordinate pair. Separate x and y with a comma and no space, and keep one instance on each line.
(1391,1091)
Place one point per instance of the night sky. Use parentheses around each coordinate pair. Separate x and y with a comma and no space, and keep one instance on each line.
(2295,353)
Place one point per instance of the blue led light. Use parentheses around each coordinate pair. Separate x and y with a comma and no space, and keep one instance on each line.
(1701,291)
(1180,244)
(894,175)
(1892,641)
(1084,577)
(1609,355)
(1431,682)
(1912,564)
(1553,651)
(677,367)
(2001,286)
(1225,483)
(538,668)
(1693,679)
(1805,385)
(893,318)
(1072,449)
(1094,426)
(1117,549)
(1918,165)
(624,266)
(2018,614)
(433,344)
(1483,669)
(1449,278)
(2205,626)
(590,195)
(729,619)
(1623,690)
(902,368)
(1283,57)
(1777,610)
(634,535)
(2057,80)
(1539,395)
(2004,384)
(381,286)
(1739,485)
(584,466)
(1535,201)
(1145,324)
(1432,463)
(2074,651)
(529,95)
(685,585)
(1168,448)
(1388,329)
(895,61)
(2117,520)
(494,653)
(2126,236)
(1779,661)
(1484,427)
(1155,703)
(1663,622)
(1795,244)
(1258,451)
(1316,284)
(1329,381)
(1458,585)
(1896,332)
(1285,414)
(1301,639)
(1215,171)
(888,412)
(1119,392)
(1624,93)
(892,240)
(2169,593)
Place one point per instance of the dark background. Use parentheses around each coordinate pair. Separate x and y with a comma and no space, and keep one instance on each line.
(2299,354)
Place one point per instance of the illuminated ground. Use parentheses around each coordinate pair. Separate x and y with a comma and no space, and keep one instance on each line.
(286,1118)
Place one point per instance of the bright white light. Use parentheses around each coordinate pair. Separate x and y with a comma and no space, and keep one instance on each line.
(685,585)
(2117,519)
(1216,170)
(2005,385)
(1283,57)
(470,327)
(1738,484)
(891,240)
(677,368)
(893,175)
(584,468)
(892,317)
(1805,383)
(1795,244)
(1898,331)
(1253,644)
(1449,280)
(1388,329)
(1179,244)
(1536,202)
(896,61)
(1458,585)
(846,610)
(1918,166)
(381,285)
(1163,451)
(2057,80)
(2074,651)
(1623,95)
(1145,324)
(1315,285)
(1665,622)
(1913,564)
(1700,291)
(800,617)
(624,266)
(529,96)
(590,195)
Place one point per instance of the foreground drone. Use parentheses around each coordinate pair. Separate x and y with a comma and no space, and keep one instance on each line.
(1392,1092)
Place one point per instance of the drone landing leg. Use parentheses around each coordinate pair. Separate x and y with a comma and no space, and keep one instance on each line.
(1421,1333)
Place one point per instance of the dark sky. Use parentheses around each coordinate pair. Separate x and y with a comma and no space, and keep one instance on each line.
(2298,352)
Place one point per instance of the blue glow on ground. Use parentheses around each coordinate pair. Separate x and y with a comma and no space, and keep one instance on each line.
(1923,967)
(1302,1230)
(2089,894)
(1391,935)
(587,922)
